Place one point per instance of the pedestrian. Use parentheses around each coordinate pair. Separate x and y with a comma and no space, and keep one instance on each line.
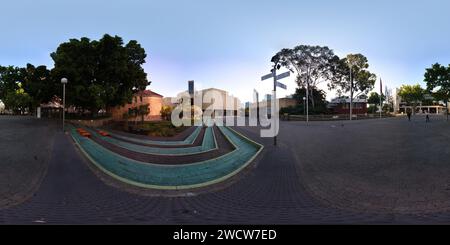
(409,115)
(427,118)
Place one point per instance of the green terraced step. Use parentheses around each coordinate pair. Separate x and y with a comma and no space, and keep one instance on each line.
(172,177)
(209,143)
(188,141)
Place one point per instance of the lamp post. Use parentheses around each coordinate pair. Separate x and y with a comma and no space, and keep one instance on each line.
(304,105)
(351,93)
(64,82)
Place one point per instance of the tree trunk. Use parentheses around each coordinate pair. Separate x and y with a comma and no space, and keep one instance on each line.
(312,97)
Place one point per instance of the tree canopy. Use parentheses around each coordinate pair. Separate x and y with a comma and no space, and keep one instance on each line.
(411,94)
(361,80)
(18,100)
(374,98)
(38,83)
(316,64)
(9,78)
(312,64)
(438,82)
(101,74)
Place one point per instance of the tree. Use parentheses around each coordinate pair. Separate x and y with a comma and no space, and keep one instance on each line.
(317,95)
(438,83)
(411,94)
(38,84)
(102,74)
(374,100)
(166,112)
(17,101)
(351,75)
(313,65)
(143,111)
(10,77)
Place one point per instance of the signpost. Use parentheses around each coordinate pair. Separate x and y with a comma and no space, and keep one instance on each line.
(275,85)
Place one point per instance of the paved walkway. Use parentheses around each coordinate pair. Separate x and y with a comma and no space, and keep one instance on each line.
(271,193)
(25,149)
(388,165)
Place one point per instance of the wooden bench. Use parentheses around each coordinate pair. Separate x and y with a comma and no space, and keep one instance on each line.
(103,133)
(83,132)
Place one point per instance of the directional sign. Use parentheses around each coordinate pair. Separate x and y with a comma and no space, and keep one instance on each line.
(266,77)
(283,75)
(279,77)
(281,85)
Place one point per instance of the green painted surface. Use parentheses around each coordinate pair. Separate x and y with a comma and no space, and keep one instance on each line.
(171,176)
(208,144)
(188,141)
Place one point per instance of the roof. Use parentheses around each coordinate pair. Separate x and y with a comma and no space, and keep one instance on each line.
(221,90)
(347,100)
(148,93)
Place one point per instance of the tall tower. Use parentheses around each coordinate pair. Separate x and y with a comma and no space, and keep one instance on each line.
(191,90)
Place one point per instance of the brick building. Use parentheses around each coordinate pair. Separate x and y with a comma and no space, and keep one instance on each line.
(149,97)
(342,105)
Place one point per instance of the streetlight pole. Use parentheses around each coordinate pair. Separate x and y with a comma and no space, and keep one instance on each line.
(307,94)
(304,105)
(64,82)
(274,72)
(351,93)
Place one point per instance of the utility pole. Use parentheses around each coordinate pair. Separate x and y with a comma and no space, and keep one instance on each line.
(351,93)
(64,82)
(381,97)
(307,93)
(276,84)
(274,73)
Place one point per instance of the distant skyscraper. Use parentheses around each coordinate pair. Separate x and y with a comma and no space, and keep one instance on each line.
(191,90)
(191,87)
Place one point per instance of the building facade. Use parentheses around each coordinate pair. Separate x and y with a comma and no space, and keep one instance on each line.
(436,107)
(342,106)
(218,100)
(145,97)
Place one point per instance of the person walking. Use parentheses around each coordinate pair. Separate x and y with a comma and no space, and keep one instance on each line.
(409,115)
(427,117)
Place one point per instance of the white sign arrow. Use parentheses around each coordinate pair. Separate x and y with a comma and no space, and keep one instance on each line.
(266,77)
(283,75)
(281,85)
(279,77)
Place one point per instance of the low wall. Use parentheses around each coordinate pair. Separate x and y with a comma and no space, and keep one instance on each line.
(92,123)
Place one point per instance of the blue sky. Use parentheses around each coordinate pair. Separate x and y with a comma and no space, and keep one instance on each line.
(228,44)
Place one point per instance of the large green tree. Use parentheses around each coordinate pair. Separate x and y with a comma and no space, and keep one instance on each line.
(374,101)
(10,77)
(438,83)
(101,74)
(38,84)
(17,101)
(374,98)
(318,95)
(412,95)
(312,64)
(351,76)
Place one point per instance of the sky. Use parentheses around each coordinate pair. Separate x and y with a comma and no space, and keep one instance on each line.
(228,44)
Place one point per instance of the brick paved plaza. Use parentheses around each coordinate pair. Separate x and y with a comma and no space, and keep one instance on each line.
(361,172)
